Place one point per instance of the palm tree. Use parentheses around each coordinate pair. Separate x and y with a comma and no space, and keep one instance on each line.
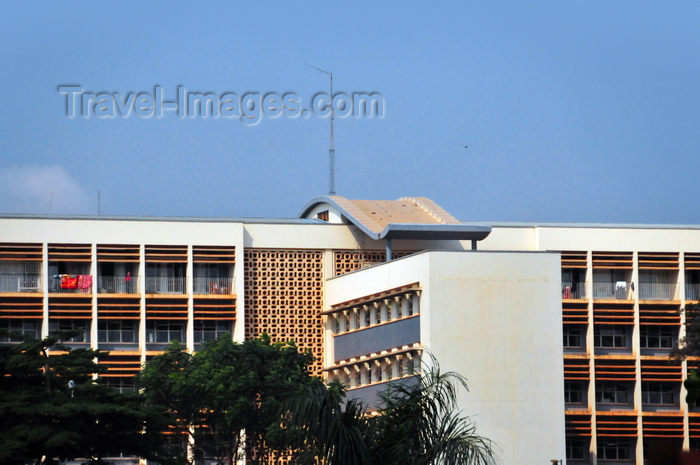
(331,431)
(417,424)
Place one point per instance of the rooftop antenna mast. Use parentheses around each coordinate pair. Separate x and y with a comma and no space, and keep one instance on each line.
(331,149)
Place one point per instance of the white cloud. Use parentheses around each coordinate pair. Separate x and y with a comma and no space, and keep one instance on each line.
(41,189)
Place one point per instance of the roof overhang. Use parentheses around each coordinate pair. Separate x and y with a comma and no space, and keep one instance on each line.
(410,231)
(447,232)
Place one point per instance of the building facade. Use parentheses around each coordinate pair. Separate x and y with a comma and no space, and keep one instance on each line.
(563,331)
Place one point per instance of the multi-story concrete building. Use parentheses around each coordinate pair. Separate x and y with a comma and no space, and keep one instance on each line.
(563,331)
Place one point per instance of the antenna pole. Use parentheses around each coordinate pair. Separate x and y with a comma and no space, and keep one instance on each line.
(331,148)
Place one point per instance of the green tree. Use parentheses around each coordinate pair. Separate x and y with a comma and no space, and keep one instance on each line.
(417,424)
(689,345)
(51,408)
(225,389)
(328,429)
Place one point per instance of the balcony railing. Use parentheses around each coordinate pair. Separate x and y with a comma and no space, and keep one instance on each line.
(658,291)
(20,283)
(620,290)
(573,290)
(692,291)
(117,285)
(213,286)
(161,285)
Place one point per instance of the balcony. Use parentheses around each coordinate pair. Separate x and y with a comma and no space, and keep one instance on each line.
(620,290)
(658,291)
(209,286)
(117,285)
(163,285)
(573,290)
(20,283)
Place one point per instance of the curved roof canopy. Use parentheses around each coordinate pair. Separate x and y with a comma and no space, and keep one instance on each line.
(406,218)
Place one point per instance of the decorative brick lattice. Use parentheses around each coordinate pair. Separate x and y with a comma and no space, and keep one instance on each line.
(345,261)
(284,298)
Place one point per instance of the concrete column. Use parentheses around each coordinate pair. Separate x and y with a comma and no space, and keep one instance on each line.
(93,321)
(142,293)
(48,280)
(189,283)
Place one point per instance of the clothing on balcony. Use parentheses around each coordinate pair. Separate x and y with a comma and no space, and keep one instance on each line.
(69,281)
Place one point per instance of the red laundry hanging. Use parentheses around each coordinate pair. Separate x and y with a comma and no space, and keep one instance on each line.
(84,283)
(69,282)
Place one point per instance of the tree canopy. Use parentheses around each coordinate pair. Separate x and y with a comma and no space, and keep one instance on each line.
(417,423)
(224,389)
(689,346)
(230,401)
(52,408)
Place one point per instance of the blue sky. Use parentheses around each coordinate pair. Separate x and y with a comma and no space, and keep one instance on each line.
(572,111)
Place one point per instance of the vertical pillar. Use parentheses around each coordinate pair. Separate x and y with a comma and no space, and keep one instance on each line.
(189,288)
(239,286)
(48,281)
(388,250)
(95,290)
(637,360)
(142,294)
(328,341)
(590,352)
(684,363)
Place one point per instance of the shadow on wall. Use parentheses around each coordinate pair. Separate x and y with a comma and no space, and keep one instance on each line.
(667,453)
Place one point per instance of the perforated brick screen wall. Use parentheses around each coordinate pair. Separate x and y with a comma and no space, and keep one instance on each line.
(345,261)
(284,298)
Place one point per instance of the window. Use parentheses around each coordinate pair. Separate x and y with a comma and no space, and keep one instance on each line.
(611,392)
(655,392)
(657,337)
(409,306)
(573,336)
(165,332)
(121,385)
(29,328)
(614,449)
(117,331)
(323,216)
(336,323)
(576,448)
(210,330)
(72,325)
(574,392)
(610,336)
(695,444)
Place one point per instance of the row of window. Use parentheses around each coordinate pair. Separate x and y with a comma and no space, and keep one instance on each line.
(621,392)
(612,448)
(608,448)
(619,336)
(377,371)
(375,313)
(119,331)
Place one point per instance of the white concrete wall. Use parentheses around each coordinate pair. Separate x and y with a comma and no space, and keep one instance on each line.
(496,319)
(598,238)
